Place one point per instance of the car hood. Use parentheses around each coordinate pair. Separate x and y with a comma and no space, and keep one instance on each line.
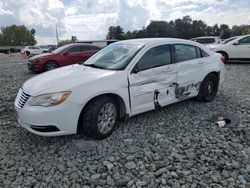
(63,79)
(44,55)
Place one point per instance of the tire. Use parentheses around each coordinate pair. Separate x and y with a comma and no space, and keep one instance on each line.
(50,65)
(208,88)
(97,121)
(224,54)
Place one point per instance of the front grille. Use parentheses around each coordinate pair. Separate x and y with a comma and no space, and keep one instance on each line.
(21,98)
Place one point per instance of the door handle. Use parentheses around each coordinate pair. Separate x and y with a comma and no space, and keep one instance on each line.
(168,69)
(201,62)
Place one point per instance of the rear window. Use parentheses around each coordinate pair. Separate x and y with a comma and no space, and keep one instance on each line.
(88,48)
(185,52)
(74,49)
(203,53)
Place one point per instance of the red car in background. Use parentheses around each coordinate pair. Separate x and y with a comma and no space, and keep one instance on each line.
(63,56)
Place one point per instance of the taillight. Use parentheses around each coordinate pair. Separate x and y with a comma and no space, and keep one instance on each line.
(222,58)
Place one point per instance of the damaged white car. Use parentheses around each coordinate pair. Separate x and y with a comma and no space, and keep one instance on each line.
(122,80)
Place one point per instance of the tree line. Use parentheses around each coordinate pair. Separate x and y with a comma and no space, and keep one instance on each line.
(185,28)
(17,35)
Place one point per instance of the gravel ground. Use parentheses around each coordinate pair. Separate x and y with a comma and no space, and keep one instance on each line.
(171,147)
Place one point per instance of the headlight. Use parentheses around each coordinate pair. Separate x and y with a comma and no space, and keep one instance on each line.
(50,99)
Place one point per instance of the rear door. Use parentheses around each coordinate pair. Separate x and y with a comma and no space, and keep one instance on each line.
(190,68)
(151,79)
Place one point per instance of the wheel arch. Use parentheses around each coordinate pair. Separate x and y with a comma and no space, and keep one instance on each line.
(118,99)
(222,51)
(216,73)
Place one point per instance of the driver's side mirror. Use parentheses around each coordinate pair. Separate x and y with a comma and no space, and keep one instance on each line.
(135,69)
(236,43)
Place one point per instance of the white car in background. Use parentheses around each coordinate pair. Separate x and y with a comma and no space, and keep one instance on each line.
(207,40)
(237,50)
(32,50)
(121,80)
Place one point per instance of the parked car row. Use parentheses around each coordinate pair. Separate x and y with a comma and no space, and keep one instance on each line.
(234,49)
(121,80)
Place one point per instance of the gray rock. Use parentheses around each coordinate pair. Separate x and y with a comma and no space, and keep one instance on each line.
(140,183)
(128,140)
(121,183)
(84,145)
(130,165)
(95,177)
(108,165)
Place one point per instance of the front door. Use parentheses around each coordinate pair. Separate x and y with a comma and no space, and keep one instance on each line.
(151,80)
(73,55)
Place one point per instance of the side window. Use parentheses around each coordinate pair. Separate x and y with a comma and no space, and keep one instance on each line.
(184,52)
(203,53)
(155,57)
(245,41)
(74,49)
(88,48)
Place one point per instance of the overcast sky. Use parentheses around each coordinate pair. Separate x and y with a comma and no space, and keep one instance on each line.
(90,19)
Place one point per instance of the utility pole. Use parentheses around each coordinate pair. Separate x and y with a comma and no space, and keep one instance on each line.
(57,39)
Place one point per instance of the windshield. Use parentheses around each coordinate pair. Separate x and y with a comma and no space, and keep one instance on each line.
(114,57)
(228,40)
(61,49)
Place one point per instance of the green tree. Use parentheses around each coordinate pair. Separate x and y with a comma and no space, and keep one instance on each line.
(115,32)
(15,35)
(64,42)
(185,28)
(157,29)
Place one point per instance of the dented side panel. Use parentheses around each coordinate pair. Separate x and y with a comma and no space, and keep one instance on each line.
(151,89)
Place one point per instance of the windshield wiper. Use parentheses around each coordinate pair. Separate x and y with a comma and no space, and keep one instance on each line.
(94,66)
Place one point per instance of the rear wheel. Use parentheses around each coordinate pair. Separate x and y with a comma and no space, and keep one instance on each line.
(100,117)
(208,88)
(50,65)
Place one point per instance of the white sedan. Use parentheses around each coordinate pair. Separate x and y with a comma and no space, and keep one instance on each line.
(32,50)
(237,50)
(122,80)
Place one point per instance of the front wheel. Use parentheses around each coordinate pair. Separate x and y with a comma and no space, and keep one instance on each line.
(208,88)
(50,65)
(100,117)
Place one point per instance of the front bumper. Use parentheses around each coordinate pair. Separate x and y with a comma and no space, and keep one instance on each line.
(36,67)
(50,121)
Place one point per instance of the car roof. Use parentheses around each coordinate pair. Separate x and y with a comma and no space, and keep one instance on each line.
(145,41)
(238,38)
(81,44)
(205,37)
